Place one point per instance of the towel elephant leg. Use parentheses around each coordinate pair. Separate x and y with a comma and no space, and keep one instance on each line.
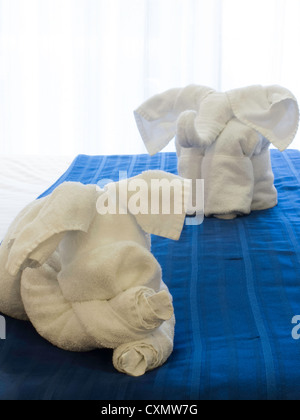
(10,296)
(265,194)
(228,172)
(131,316)
(190,163)
(84,326)
(49,312)
(138,357)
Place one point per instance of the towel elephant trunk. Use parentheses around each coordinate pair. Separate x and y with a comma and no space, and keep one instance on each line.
(143,307)
(201,128)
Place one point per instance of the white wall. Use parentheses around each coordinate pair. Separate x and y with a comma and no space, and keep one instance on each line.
(73,71)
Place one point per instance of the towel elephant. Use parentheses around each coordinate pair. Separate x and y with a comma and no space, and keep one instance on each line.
(86,279)
(223,138)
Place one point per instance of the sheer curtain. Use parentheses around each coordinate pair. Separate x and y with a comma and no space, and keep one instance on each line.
(73,71)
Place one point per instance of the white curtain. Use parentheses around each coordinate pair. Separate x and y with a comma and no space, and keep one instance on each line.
(73,71)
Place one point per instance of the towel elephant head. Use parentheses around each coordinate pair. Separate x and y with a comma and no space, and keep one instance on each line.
(88,280)
(223,138)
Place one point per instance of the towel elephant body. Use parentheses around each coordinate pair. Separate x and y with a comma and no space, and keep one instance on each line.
(238,174)
(87,280)
(223,138)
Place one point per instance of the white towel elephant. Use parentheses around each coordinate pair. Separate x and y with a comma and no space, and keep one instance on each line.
(223,138)
(88,280)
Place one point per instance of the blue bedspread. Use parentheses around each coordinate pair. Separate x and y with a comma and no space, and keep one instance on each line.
(236,288)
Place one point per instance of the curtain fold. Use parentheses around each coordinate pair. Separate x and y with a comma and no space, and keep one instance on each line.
(73,71)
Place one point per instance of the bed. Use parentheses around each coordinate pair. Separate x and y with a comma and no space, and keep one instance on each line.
(22,178)
(236,289)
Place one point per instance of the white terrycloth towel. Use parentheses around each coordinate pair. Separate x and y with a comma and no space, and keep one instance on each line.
(223,138)
(87,280)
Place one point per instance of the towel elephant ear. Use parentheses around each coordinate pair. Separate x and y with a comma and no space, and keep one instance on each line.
(157,117)
(159,201)
(272,111)
(71,207)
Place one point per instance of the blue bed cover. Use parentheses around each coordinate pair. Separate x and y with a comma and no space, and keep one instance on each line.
(236,289)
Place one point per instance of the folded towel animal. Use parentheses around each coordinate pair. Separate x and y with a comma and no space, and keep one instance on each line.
(87,279)
(223,138)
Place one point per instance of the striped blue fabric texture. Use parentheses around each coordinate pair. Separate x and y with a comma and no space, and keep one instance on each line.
(236,289)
